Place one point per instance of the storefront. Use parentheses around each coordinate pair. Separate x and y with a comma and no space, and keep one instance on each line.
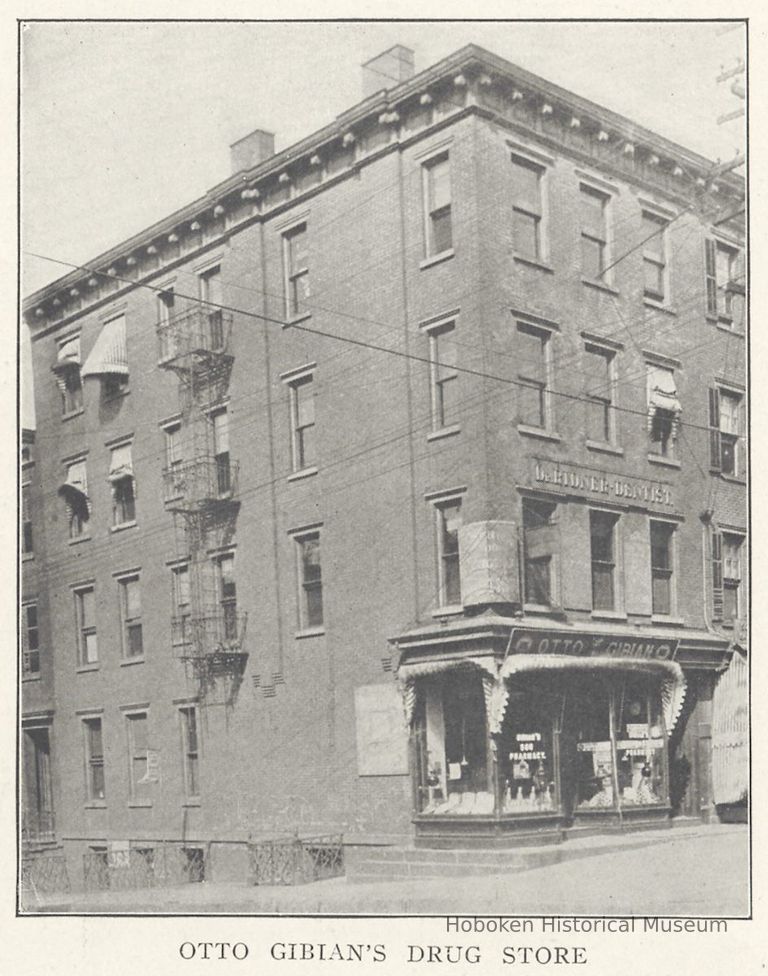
(560,731)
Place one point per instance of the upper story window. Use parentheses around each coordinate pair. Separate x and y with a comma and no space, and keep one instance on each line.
(540,550)
(731,548)
(166,304)
(443,375)
(600,392)
(448,515)
(220,422)
(190,751)
(303,435)
(528,208)
(27,545)
(227,594)
(67,372)
(602,528)
(174,460)
(724,281)
(137,754)
(534,369)
(662,536)
(30,640)
(725,432)
(594,232)
(108,359)
(664,410)
(655,271)
(182,605)
(130,613)
(123,486)
(74,491)
(211,300)
(85,615)
(438,230)
(296,264)
(94,759)
(310,580)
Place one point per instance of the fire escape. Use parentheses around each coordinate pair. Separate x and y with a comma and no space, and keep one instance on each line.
(201,490)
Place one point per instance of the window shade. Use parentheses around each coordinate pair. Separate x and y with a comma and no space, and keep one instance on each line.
(109,355)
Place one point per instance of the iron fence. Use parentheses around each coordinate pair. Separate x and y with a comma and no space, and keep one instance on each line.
(143,867)
(294,860)
(44,874)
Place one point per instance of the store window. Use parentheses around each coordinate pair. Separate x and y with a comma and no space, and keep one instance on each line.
(541,551)
(437,206)
(602,527)
(662,568)
(527,765)
(641,742)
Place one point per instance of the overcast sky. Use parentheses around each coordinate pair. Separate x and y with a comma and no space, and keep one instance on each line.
(123,123)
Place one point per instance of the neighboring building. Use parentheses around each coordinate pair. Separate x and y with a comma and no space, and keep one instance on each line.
(445,402)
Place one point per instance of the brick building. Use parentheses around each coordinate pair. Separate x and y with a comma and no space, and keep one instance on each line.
(440,413)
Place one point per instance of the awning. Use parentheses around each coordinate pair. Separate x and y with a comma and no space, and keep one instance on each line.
(408,673)
(662,391)
(121,463)
(109,355)
(730,733)
(673,679)
(75,488)
(69,354)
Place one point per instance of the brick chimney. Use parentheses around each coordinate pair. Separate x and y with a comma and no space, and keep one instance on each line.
(252,150)
(388,69)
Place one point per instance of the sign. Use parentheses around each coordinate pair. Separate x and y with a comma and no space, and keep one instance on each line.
(382,745)
(488,563)
(602,483)
(579,644)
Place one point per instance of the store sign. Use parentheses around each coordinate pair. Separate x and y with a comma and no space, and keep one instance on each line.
(592,645)
(604,484)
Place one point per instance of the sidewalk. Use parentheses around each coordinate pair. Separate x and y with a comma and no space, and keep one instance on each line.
(700,870)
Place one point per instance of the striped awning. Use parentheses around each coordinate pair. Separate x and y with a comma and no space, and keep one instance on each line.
(408,672)
(75,488)
(662,390)
(121,463)
(730,733)
(68,355)
(109,355)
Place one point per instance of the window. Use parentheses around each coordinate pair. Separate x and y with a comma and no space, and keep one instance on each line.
(130,613)
(437,206)
(166,301)
(443,375)
(725,408)
(30,640)
(527,208)
(227,594)
(723,280)
(662,534)
(295,257)
(174,461)
(108,358)
(74,491)
(533,376)
(664,410)
(182,610)
(599,373)
(67,372)
(85,612)
(654,231)
(94,759)
(448,569)
(123,487)
(540,548)
(731,549)
(137,754)
(303,422)
(310,581)
(27,547)
(189,751)
(594,232)
(210,297)
(220,421)
(113,385)
(602,527)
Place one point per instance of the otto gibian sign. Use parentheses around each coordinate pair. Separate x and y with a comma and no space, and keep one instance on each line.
(591,645)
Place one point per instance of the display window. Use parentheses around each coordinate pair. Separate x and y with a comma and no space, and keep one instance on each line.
(528,765)
(640,743)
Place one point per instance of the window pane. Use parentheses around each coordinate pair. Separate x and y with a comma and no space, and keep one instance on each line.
(138,734)
(94,739)
(452,581)
(653,236)
(730,600)
(221,432)
(593,213)
(87,608)
(442,233)
(602,587)
(305,404)
(526,234)
(91,649)
(653,278)
(530,400)
(526,185)
(602,537)
(531,351)
(310,555)
(314,605)
(728,454)
(592,252)
(598,420)
(297,250)
(537,580)
(661,537)
(132,598)
(661,594)
(439,185)
(729,413)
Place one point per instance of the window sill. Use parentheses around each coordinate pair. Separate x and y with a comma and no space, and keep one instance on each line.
(96,805)
(664,461)
(539,432)
(191,802)
(27,557)
(600,286)
(724,327)
(76,541)
(310,632)
(32,677)
(608,615)
(123,526)
(140,804)
(540,608)
(127,661)
(604,448)
(116,396)
(72,414)
(661,618)
(533,263)
(733,478)
(297,319)
(438,435)
(436,259)
(453,610)
(304,473)
(658,306)
(83,668)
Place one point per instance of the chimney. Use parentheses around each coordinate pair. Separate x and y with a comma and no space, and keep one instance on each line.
(252,150)
(387,69)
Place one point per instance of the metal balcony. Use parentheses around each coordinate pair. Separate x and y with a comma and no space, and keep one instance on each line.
(200,482)
(215,638)
(194,338)
(38,827)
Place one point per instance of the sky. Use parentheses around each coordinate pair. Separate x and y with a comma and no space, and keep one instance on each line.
(123,123)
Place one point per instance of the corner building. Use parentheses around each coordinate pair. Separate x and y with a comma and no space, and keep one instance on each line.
(398,486)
